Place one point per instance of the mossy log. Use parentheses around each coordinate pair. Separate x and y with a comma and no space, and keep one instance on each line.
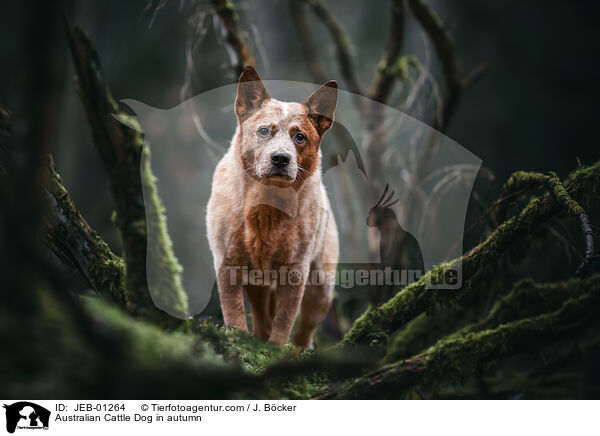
(126,160)
(528,298)
(452,359)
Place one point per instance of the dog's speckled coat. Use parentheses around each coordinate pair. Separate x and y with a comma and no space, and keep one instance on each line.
(265,218)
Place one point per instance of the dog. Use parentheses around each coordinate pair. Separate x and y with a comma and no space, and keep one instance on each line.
(269,216)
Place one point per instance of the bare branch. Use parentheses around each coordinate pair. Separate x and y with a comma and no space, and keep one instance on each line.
(342,45)
(523,179)
(307,43)
(451,66)
(231,32)
(384,81)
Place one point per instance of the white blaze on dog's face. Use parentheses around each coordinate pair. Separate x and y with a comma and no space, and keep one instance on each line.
(280,141)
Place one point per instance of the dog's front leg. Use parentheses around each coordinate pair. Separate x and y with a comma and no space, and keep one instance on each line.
(232,297)
(289,295)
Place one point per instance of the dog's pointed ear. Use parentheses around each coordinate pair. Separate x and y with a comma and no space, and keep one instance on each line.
(250,93)
(321,106)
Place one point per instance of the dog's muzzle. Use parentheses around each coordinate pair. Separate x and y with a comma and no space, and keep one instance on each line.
(280,161)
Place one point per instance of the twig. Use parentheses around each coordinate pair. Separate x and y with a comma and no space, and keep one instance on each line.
(574,208)
(494,205)
(475,75)
(563,240)
(522,179)
(586,265)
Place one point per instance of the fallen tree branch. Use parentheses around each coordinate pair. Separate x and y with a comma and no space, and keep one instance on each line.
(126,161)
(377,323)
(453,359)
(72,239)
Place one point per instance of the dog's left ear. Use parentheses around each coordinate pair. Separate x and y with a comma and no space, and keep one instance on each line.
(321,106)
(251,93)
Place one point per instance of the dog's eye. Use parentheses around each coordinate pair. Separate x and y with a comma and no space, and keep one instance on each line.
(300,138)
(263,132)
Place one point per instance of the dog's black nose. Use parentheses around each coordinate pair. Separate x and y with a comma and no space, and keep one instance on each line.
(280,159)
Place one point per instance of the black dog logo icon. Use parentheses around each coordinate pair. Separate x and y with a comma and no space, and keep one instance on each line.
(26,415)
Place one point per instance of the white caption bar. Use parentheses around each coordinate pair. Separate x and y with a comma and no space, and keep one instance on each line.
(310,418)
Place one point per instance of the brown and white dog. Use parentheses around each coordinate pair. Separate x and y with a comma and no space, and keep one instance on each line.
(269,214)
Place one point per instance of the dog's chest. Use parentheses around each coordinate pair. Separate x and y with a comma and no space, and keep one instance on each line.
(271,237)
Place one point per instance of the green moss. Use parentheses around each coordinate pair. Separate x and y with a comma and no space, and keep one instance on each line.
(104,269)
(257,356)
(376,323)
(561,194)
(126,159)
(528,298)
(454,358)
(420,333)
(523,179)
(253,354)
(164,271)
(110,277)
(401,68)
(304,387)
(150,341)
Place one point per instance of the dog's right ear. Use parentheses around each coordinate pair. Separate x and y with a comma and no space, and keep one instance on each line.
(250,94)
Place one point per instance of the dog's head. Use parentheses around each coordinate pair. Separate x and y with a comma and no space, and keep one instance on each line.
(280,141)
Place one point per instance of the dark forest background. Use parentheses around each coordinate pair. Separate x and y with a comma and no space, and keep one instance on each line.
(534,109)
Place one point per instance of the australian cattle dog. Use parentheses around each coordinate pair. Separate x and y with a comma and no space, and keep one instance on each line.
(269,218)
